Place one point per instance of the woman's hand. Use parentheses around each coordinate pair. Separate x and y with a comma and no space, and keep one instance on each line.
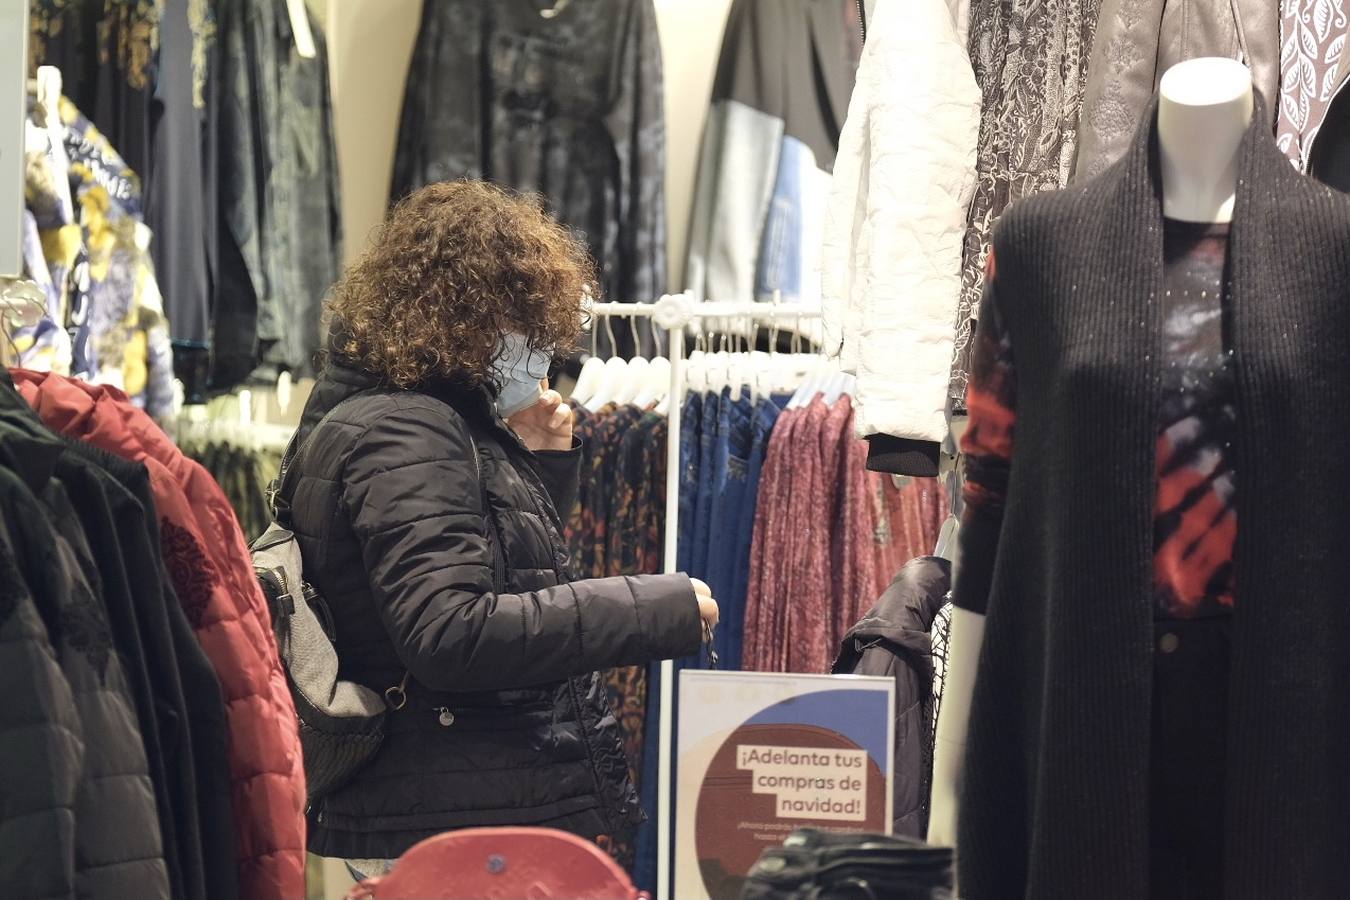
(545,426)
(707,606)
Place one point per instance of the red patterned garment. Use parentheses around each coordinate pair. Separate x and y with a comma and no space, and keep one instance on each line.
(209,565)
(610,532)
(1195,512)
(803,606)
(769,561)
(829,536)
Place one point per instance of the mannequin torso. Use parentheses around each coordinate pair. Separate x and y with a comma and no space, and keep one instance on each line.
(1205,107)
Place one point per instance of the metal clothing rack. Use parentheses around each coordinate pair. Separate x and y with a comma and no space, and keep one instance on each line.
(673,313)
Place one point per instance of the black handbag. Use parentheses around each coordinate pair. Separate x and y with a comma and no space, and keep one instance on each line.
(819,865)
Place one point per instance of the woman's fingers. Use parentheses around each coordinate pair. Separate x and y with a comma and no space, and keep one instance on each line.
(562,415)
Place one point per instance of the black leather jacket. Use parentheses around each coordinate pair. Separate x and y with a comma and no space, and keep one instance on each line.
(507,722)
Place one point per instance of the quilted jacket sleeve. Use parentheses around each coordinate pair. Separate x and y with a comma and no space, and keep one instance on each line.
(412,496)
(905,177)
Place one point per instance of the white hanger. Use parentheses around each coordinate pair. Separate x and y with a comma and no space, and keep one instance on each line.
(637,367)
(946,543)
(304,36)
(49,96)
(611,382)
(719,368)
(587,381)
(611,378)
(736,373)
(589,378)
(655,383)
(695,377)
(284,385)
(807,388)
(760,385)
(632,380)
(834,384)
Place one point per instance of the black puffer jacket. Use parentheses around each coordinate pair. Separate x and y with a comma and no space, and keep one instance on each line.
(895,639)
(506,722)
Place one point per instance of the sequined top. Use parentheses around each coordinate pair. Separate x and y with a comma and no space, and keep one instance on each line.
(1195,517)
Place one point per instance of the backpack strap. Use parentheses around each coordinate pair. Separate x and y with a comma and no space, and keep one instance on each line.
(490,517)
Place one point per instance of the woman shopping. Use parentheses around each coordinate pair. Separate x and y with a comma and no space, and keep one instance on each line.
(426,498)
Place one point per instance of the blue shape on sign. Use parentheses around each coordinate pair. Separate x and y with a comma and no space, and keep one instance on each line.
(860,716)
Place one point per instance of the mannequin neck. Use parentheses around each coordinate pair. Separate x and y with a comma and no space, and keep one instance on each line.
(1204,109)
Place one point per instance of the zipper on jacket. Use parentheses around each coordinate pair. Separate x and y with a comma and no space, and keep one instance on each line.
(862,20)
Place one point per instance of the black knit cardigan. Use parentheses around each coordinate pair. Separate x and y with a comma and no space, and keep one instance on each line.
(1056,787)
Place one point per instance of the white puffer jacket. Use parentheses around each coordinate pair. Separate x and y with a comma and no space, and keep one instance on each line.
(902,186)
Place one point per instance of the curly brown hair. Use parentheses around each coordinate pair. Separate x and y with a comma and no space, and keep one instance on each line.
(454,267)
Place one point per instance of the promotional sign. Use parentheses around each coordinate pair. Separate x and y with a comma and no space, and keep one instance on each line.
(761,755)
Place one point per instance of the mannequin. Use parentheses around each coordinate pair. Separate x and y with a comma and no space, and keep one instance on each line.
(1204,109)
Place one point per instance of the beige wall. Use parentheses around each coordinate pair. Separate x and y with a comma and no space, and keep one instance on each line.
(691,38)
(371,42)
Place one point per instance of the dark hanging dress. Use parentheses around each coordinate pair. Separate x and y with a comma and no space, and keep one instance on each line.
(568,106)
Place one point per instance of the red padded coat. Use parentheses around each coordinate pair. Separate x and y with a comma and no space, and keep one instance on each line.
(209,564)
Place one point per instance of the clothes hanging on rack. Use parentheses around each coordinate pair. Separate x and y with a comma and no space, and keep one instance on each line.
(894,227)
(617,528)
(567,105)
(1031,62)
(180,162)
(744,463)
(243,472)
(88,245)
(151,813)
(894,639)
(1311,125)
(1137,41)
(782,90)
(118,844)
(106,53)
(137,69)
(280,229)
(248,764)
(827,534)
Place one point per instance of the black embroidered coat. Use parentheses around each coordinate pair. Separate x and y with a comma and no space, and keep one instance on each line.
(569,107)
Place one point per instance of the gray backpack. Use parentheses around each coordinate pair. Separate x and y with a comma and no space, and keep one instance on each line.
(341,722)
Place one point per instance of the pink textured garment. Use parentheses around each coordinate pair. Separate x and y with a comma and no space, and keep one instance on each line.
(856,577)
(806,599)
(829,536)
(768,543)
(209,564)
